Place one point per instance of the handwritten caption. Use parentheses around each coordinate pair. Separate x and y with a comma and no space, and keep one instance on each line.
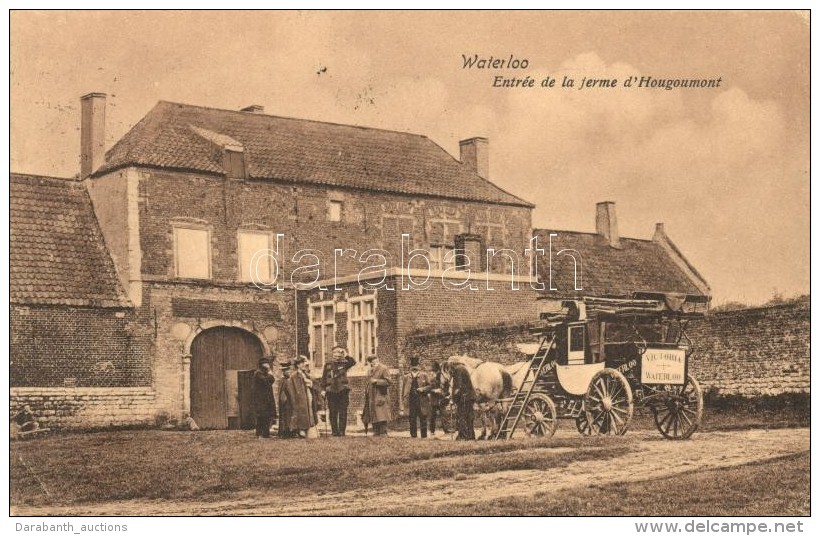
(520,79)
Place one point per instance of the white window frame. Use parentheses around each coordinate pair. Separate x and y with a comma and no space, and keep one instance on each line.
(335,203)
(353,337)
(314,345)
(192,227)
(437,255)
(269,235)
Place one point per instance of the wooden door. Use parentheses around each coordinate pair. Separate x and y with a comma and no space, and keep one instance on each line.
(247,414)
(216,357)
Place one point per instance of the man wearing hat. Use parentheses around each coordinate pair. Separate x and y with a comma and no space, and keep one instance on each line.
(285,431)
(336,389)
(263,403)
(415,397)
(376,396)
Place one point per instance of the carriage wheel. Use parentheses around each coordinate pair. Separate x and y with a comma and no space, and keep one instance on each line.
(679,416)
(582,424)
(539,417)
(608,403)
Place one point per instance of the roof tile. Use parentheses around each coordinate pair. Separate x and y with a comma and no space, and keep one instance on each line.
(297,150)
(640,265)
(56,252)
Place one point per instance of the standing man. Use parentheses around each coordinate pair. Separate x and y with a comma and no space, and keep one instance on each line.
(298,390)
(436,395)
(263,402)
(464,398)
(416,398)
(336,389)
(284,408)
(377,400)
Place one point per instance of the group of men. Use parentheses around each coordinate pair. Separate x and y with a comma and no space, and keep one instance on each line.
(298,397)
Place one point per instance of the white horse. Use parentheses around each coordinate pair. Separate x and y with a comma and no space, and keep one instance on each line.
(491,381)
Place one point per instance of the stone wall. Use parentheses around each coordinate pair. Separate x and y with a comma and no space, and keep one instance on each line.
(752,352)
(86,407)
(749,352)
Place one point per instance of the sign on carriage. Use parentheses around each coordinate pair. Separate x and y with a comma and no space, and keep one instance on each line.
(663,365)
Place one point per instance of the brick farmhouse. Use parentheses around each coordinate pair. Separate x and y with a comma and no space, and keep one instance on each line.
(205,239)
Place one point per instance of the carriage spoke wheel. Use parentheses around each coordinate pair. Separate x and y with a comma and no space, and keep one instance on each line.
(539,418)
(582,424)
(608,403)
(680,414)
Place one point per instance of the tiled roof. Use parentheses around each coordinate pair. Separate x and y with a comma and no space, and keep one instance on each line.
(188,137)
(56,250)
(640,265)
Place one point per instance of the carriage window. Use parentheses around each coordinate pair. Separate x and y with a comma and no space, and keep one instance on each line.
(362,340)
(576,339)
(322,333)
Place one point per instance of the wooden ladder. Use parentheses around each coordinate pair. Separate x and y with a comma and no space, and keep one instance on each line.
(522,395)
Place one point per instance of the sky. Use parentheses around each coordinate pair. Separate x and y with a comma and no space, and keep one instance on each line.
(726,169)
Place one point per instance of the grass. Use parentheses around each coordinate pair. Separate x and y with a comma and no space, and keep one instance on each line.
(108,466)
(778,487)
(87,468)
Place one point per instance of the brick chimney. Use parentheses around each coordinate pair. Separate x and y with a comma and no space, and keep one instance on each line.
(475,154)
(606,223)
(92,133)
(660,233)
(253,109)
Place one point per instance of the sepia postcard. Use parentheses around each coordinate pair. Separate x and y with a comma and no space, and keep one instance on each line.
(409,263)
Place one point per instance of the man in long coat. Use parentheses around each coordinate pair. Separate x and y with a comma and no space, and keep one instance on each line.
(415,398)
(284,407)
(298,390)
(377,399)
(263,403)
(464,398)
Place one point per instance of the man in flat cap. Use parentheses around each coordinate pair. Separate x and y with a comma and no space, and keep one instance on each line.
(263,403)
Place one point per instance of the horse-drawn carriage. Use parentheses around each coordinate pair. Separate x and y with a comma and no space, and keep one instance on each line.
(601,357)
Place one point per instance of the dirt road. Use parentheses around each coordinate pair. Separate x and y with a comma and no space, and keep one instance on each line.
(653,458)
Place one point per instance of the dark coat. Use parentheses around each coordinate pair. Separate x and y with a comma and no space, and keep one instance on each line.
(284,409)
(301,402)
(424,385)
(377,399)
(334,375)
(462,385)
(263,393)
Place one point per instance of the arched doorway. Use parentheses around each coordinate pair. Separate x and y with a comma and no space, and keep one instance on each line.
(217,357)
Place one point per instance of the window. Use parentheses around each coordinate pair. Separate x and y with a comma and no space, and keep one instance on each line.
(255,256)
(442,257)
(576,354)
(322,333)
(192,252)
(362,337)
(234,163)
(334,211)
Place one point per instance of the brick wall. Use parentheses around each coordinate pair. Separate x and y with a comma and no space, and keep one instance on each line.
(439,309)
(760,351)
(86,407)
(369,220)
(55,346)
